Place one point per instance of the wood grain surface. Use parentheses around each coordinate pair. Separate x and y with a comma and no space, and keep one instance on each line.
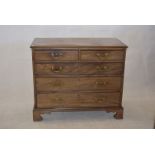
(78,74)
(69,100)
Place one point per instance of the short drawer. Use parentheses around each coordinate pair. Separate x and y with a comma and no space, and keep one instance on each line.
(92,55)
(83,83)
(101,68)
(70,100)
(56,55)
(56,68)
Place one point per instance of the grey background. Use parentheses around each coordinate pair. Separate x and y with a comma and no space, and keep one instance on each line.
(16,86)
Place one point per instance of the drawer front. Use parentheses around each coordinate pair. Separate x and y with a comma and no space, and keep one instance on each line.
(99,99)
(56,100)
(83,68)
(70,100)
(56,84)
(100,83)
(90,83)
(102,55)
(56,55)
(56,68)
(101,68)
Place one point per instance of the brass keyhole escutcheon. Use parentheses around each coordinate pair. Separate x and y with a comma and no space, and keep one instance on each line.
(101,83)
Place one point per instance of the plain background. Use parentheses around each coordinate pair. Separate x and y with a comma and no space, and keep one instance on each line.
(16,86)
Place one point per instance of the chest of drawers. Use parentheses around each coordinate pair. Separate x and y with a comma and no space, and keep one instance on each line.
(72,74)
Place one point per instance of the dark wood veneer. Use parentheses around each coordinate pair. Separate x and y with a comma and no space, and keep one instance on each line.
(72,74)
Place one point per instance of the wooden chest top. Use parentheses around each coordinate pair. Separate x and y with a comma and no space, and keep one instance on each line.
(77,42)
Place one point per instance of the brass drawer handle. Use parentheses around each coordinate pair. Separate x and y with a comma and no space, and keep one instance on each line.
(102,68)
(56,69)
(57,99)
(101,83)
(100,100)
(102,55)
(56,53)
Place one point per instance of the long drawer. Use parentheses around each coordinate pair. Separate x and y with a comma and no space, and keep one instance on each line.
(79,68)
(82,83)
(60,100)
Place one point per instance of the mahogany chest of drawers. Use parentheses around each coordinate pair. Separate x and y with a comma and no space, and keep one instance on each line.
(72,74)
